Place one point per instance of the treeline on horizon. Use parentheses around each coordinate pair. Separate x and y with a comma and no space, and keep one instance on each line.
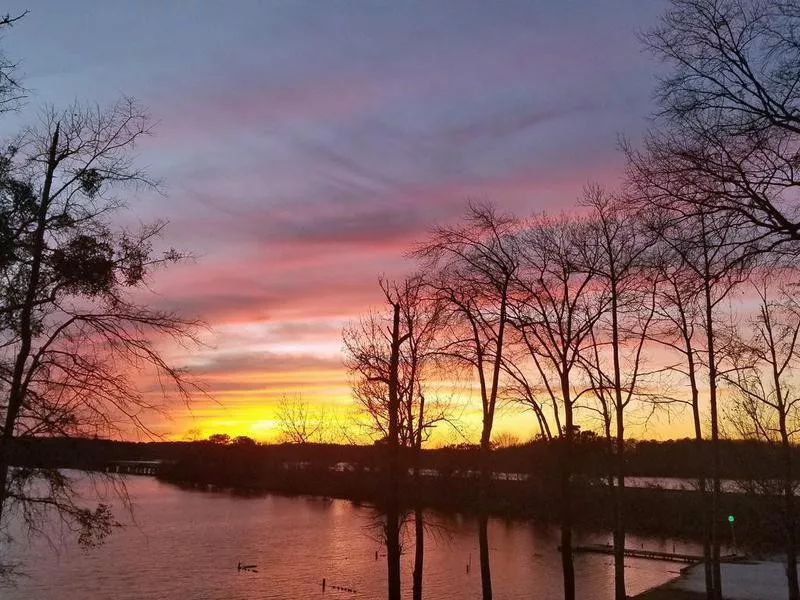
(742,460)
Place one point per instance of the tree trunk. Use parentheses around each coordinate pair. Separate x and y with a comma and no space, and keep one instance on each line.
(17,391)
(419,539)
(705,515)
(483,519)
(393,489)
(419,552)
(393,550)
(790,524)
(567,566)
(483,543)
(702,483)
(619,489)
(619,519)
(716,490)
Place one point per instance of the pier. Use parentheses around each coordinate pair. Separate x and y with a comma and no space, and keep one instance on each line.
(650,554)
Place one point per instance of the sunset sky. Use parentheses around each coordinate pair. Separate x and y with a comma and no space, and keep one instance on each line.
(304,146)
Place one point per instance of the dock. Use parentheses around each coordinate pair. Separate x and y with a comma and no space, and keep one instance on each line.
(650,554)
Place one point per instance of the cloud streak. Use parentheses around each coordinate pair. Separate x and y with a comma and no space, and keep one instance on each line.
(305,147)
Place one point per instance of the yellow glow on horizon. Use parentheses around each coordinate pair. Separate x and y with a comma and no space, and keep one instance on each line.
(255,416)
(245,404)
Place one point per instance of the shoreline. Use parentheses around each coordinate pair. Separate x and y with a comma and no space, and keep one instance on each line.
(742,580)
(665,592)
(678,514)
(668,591)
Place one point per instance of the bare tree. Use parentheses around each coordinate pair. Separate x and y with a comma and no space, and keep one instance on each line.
(506,439)
(715,253)
(523,385)
(12,93)
(764,380)
(421,317)
(474,263)
(392,360)
(678,322)
(373,357)
(422,408)
(730,119)
(555,309)
(731,105)
(297,422)
(617,246)
(74,343)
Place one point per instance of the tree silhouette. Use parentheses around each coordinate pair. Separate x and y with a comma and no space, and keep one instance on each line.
(618,247)
(767,405)
(555,309)
(74,339)
(716,254)
(416,410)
(473,264)
(730,106)
(297,423)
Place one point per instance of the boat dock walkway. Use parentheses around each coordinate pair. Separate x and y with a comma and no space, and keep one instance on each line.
(651,554)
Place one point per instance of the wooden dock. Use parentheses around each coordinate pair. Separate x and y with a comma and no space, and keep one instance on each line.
(650,554)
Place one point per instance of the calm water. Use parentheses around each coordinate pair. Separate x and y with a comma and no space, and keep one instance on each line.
(186,544)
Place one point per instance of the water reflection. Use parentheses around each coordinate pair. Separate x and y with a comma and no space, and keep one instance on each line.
(483,544)
(419,553)
(187,544)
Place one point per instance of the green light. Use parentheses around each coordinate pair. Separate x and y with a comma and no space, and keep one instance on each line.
(730,518)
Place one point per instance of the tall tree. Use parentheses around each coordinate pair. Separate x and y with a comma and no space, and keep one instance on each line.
(474,263)
(678,322)
(617,245)
(717,250)
(373,356)
(74,340)
(421,317)
(765,361)
(729,125)
(391,360)
(554,310)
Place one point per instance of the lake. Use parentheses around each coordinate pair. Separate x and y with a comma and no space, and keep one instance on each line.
(186,544)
